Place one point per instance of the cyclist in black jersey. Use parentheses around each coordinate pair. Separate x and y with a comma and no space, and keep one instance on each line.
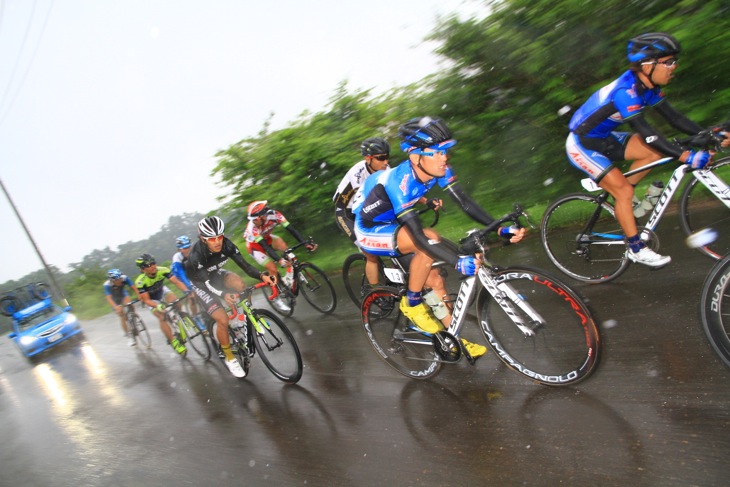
(594,145)
(154,293)
(116,295)
(216,286)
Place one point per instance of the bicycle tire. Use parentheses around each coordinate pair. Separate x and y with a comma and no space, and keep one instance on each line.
(353,276)
(715,308)
(194,336)
(40,290)
(285,294)
(409,352)
(9,305)
(316,288)
(564,350)
(596,257)
(699,209)
(138,330)
(277,348)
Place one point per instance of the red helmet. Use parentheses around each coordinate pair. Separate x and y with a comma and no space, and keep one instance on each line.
(257,208)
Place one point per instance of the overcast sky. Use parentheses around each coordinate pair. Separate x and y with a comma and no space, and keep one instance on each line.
(111,111)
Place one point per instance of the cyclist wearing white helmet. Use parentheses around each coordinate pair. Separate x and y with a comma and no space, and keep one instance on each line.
(215,285)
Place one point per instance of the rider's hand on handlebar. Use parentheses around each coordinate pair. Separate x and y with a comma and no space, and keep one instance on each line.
(698,159)
(230,298)
(513,233)
(435,204)
(468,265)
(269,279)
(160,307)
(284,263)
(311,247)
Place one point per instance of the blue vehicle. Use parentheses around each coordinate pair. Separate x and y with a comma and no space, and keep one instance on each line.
(42,326)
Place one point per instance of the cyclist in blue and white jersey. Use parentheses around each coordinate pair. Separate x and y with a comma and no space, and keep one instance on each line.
(386,222)
(115,290)
(593,145)
(178,268)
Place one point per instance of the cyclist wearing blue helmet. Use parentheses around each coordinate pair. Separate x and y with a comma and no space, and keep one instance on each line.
(593,145)
(115,290)
(178,268)
(386,222)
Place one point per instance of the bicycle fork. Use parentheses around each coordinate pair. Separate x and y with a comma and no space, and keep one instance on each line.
(509,300)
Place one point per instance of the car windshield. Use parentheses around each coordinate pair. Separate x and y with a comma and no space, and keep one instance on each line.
(37,318)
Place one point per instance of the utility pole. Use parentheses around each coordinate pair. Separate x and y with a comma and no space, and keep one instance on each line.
(37,250)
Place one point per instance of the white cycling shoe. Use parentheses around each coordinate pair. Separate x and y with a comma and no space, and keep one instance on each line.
(235,368)
(648,257)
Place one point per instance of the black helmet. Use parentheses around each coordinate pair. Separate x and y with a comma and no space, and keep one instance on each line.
(374,146)
(420,133)
(144,260)
(211,226)
(652,46)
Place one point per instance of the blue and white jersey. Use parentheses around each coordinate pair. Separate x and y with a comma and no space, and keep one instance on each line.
(178,268)
(390,193)
(613,105)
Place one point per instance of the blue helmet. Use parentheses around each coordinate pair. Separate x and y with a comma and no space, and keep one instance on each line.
(652,46)
(114,274)
(182,242)
(423,133)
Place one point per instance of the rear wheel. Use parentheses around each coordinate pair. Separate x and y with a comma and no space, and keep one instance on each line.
(700,209)
(408,351)
(316,288)
(583,239)
(539,327)
(353,275)
(277,347)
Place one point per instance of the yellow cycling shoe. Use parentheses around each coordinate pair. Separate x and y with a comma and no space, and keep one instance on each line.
(474,349)
(421,316)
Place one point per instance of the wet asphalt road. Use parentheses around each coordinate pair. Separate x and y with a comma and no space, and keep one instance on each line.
(656,412)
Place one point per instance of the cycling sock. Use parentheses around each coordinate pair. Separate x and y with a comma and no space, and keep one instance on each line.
(414,297)
(635,243)
(227,352)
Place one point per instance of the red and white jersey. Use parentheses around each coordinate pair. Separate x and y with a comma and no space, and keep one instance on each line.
(253,234)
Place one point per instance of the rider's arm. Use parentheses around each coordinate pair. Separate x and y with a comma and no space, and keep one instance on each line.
(435,250)
(653,138)
(268,249)
(676,119)
(178,270)
(294,232)
(180,285)
(231,249)
(467,204)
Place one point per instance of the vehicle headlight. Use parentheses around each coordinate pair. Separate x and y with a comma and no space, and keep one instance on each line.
(69,319)
(26,341)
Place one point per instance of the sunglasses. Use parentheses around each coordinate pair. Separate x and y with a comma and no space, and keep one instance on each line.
(382,157)
(434,153)
(145,266)
(214,239)
(668,63)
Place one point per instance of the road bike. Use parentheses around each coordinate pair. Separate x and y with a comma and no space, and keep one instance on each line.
(136,327)
(533,322)
(715,308)
(258,330)
(23,297)
(306,278)
(582,238)
(184,327)
(391,271)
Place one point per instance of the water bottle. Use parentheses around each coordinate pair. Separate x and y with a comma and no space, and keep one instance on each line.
(289,276)
(639,210)
(437,306)
(652,195)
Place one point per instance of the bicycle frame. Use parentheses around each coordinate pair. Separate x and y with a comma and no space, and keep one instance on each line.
(714,184)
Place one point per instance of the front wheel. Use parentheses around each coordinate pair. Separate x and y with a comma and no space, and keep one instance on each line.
(700,209)
(195,336)
(538,326)
(284,302)
(139,331)
(715,308)
(277,347)
(394,339)
(316,288)
(583,239)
